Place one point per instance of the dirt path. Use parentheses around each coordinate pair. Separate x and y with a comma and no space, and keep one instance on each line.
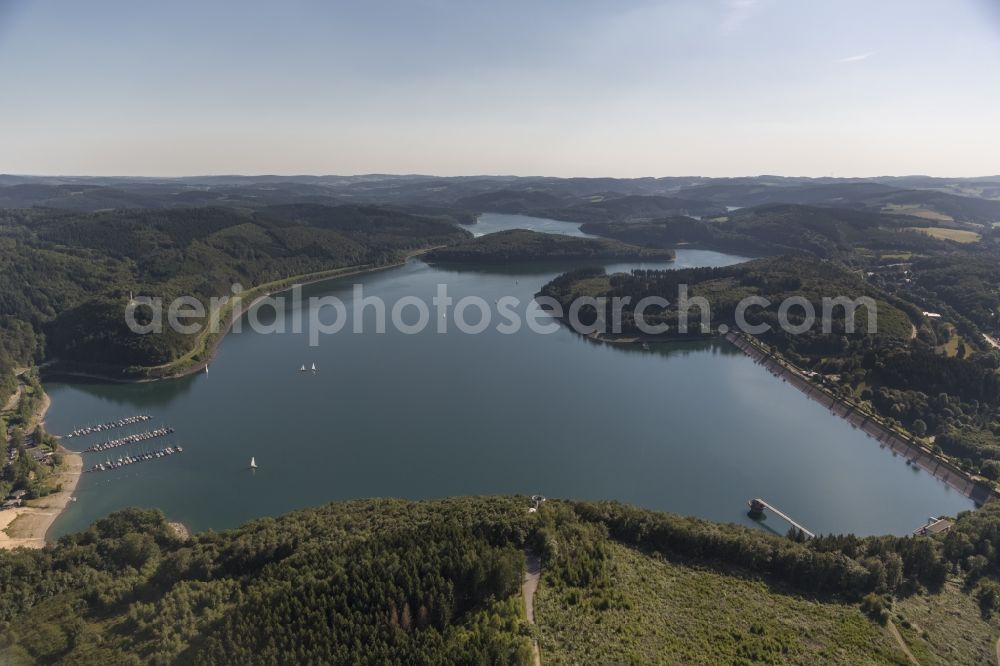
(532,574)
(14,400)
(902,644)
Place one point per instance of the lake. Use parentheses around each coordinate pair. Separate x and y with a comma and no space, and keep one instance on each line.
(694,428)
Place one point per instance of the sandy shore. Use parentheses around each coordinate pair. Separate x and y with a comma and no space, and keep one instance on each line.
(27,526)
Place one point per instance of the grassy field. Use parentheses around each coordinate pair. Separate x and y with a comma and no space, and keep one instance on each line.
(924,619)
(957,235)
(657,611)
(596,286)
(917,211)
(950,348)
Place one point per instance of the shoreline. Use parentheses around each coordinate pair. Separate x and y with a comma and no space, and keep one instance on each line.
(29,526)
(211,349)
(870,424)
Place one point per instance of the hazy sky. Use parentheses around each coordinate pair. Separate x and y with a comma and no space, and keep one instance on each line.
(567,87)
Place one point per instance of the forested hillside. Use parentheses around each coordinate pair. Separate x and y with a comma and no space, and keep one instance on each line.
(524,245)
(723,288)
(610,207)
(65,277)
(831,233)
(959,281)
(959,200)
(388,581)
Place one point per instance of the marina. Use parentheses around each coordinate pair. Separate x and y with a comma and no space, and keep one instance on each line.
(129,439)
(145,456)
(110,425)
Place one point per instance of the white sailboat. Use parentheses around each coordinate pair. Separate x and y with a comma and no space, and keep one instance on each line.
(253,463)
(303,368)
(314,367)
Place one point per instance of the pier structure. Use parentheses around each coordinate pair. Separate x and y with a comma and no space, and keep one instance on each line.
(129,439)
(757,507)
(110,425)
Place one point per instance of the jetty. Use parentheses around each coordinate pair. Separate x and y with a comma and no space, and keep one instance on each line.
(110,425)
(129,439)
(757,507)
(125,461)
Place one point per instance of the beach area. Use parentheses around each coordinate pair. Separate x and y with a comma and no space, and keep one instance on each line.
(26,526)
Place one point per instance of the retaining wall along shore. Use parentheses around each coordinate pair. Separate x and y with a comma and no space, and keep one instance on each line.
(912,451)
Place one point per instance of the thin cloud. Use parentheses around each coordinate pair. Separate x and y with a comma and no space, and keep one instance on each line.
(856,58)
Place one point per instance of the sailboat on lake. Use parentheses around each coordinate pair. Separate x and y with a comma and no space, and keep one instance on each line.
(314,368)
(303,368)
(253,463)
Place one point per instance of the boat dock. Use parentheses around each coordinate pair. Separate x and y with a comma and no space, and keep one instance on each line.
(129,439)
(125,461)
(110,425)
(757,507)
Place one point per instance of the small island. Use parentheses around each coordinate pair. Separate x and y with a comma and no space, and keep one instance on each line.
(524,245)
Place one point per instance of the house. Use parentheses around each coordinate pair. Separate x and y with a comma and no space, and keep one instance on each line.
(40,454)
(933,526)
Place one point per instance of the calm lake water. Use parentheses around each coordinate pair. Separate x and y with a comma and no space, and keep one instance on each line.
(691,428)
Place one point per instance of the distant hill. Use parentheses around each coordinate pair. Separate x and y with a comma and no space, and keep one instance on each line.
(94,197)
(511,201)
(607,207)
(522,245)
(774,229)
(752,192)
(933,205)
(634,208)
(511,194)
